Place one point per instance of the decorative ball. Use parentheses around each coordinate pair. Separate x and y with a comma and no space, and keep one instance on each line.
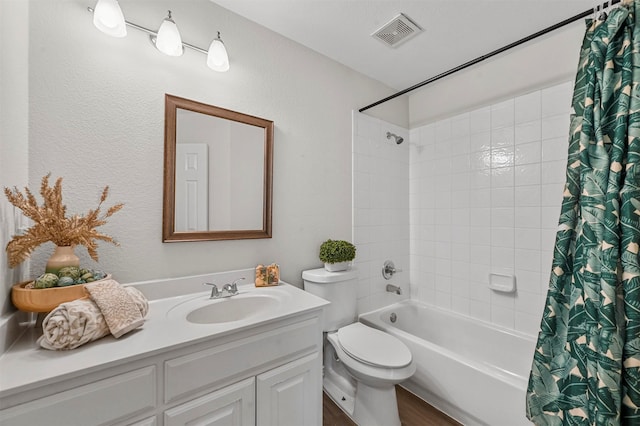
(47,280)
(65,281)
(69,271)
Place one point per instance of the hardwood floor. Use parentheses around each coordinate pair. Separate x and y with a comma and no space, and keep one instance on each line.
(332,415)
(413,412)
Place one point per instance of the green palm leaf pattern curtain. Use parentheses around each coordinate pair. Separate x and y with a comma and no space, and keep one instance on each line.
(586,366)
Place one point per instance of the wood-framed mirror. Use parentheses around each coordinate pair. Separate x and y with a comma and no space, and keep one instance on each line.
(218,172)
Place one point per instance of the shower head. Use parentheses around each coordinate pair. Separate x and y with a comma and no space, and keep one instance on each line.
(399,139)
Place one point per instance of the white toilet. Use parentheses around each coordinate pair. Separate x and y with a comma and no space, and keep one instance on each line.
(362,365)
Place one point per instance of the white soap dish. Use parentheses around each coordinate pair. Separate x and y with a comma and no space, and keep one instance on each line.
(503,283)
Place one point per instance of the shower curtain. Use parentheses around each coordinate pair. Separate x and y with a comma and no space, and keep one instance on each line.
(586,366)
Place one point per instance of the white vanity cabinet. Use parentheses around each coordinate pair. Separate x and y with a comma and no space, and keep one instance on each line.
(284,396)
(279,367)
(266,374)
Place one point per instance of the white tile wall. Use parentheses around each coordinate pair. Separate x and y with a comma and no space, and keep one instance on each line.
(485,192)
(380,209)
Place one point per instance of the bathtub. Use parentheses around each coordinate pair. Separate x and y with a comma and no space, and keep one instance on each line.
(471,370)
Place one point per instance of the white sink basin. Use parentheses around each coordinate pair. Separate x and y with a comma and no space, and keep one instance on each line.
(251,304)
(234,308)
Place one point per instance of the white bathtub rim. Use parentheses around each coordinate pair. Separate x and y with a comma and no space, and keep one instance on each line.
(426,305)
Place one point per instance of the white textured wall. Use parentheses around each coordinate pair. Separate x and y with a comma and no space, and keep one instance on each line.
(14,67)
(542,62)
(96,118)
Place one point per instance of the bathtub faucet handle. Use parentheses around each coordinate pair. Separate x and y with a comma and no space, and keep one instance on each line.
(389,269)
(394,289)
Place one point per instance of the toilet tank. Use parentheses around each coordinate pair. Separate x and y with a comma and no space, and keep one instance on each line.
(339,288)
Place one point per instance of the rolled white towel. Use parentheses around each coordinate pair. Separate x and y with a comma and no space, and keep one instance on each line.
(75,323)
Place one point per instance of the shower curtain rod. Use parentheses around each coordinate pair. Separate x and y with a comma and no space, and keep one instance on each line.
(494,53)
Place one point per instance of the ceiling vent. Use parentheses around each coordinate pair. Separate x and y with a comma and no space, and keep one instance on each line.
(397,31)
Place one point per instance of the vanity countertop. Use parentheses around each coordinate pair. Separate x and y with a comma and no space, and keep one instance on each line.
(26,365)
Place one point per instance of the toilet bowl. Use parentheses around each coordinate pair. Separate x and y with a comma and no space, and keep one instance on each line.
(377,361)
(362,365)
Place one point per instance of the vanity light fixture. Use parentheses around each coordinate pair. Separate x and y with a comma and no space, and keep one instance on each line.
(108,18)
(217,58)
(168,40)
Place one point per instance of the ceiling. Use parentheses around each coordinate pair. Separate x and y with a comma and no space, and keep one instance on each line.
(454,31)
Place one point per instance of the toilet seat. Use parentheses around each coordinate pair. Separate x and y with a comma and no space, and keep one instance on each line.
(373,347)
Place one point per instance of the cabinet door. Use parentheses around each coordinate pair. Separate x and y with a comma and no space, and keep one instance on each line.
(291,395)
(233,405)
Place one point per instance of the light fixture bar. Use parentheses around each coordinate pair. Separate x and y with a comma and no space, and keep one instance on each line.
(154,34)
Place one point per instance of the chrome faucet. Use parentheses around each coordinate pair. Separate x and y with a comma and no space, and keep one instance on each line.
(228,290)
(394,289)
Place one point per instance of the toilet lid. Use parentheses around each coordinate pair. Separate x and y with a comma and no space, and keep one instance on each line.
(373,347)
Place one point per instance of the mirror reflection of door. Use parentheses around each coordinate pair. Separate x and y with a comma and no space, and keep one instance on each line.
(192,176)
(235,185)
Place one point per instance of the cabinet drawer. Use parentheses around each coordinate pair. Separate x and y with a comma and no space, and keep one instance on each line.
(199,370)
(97,403)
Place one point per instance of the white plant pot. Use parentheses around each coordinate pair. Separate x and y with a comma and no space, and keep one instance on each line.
(336,267)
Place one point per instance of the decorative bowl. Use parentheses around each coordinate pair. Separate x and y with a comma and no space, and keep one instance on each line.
(46,299)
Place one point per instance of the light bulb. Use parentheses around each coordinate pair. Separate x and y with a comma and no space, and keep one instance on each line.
(168,40)
(217,58)
(108,18)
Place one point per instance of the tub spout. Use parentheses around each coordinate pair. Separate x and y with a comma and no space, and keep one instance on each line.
(394,289)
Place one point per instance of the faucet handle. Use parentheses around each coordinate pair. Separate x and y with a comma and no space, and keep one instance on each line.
(389,269)
(214,290)
(234,285)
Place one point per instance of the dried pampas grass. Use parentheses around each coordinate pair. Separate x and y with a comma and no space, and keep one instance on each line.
(52,224)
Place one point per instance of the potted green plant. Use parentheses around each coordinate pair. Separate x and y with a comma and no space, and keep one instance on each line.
(336,254)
